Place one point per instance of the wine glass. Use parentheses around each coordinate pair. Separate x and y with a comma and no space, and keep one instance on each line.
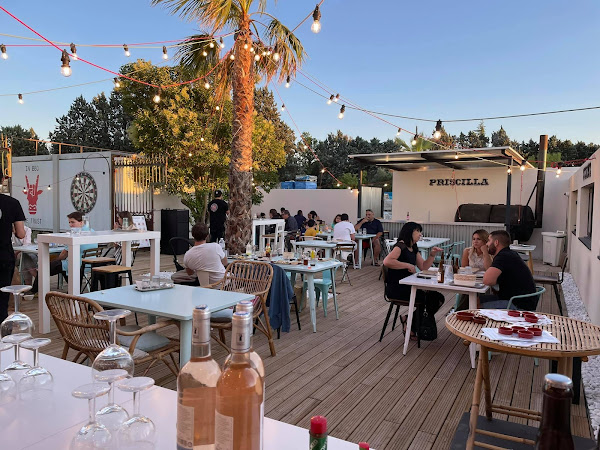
(15,340)
(8,387)
(37,381)
(92,435)
(17,322)
(114,356)
(112,415)
(139,431)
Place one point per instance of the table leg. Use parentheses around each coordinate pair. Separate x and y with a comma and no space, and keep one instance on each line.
(310,281)
(261,240)
(154,257)
(530,262)
(475,403)
(328,253)
(411,308)
(74,268)
(565,366)
(185,341)
(473,347)
(43,286)
(337,316)
(359,246)
(485,369)
(126,257)
(372,254)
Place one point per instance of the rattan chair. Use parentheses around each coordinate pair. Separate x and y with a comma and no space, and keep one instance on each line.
(74,318)
(251,278)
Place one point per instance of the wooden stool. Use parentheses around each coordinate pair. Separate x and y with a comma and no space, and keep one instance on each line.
(96,261)
(109,276)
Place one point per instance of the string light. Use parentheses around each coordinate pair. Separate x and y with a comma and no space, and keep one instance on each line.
(245,46)
(73,51)
(330,99)
(305,147)
(522,166)
(287,82)
(456,155)
(126,50)
(283,107)
(207,85)
(398,132)
(65,68)
(337,97)
(204,53)
(415,137)
(338,185)
(438,130)
(165,55)
(218,108)
(342,111)
(156,98)
(268,53)
(221,43)
(49,187)
(256,57)
(3,50)
(275,56)
(212,44)
(117,83)
(201,139)
(232,57)
(190,154)
(385,185)
(24,190)
(251,49)
(558,171)
(322,170)
(509,170)
(21,101)
(316,25)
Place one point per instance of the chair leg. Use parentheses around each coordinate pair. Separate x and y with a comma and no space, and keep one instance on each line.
(556,292)
(387,318)
(222,336)
(395,317)
(296,309)
(325,294)
(65,351)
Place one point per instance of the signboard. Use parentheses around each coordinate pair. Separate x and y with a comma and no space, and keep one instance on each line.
(458,182)
(587,171)
(30,183)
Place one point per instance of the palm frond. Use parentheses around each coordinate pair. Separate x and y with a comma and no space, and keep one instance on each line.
(288,46)
(191,54)
(214,14)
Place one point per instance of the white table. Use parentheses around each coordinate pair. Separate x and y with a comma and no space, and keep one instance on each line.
(425,244)
(328,246)
(261,223)
(50,424)
(73,243)
(432,285)
(32,248)
(528,249)
(177,303)
(359,238)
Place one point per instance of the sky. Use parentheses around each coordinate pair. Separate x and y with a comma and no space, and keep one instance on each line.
(430,59)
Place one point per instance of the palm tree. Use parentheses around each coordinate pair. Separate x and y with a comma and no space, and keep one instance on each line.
(268,50)
(418,144)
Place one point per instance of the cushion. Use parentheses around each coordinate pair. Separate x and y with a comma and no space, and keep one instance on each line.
(222,316)
(147,342)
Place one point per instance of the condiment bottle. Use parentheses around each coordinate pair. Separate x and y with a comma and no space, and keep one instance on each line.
(363,446)
(555,426)
(318,433)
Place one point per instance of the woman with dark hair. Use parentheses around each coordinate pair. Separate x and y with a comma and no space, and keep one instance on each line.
(402,261)
(337,219)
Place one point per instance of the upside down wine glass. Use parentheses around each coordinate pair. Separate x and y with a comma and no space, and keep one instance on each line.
(17,322)
(37,381)
(112,415)
(15,340)
(8,387)
(92,435)
(139,431)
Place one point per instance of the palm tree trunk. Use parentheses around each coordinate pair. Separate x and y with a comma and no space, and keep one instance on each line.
(239,225)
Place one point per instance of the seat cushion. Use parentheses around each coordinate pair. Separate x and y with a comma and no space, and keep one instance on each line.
(545,279)
(222,316)
(148,342)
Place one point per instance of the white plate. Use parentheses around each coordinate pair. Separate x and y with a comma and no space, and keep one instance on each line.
(474,286)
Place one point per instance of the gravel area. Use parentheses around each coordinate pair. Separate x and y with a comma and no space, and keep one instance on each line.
(590,371)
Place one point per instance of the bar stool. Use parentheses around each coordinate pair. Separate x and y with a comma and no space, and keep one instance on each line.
(109,276)
(91,258)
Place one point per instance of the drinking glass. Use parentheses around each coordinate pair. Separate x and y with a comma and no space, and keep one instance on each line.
(155,283)
(85,229)
(75,231)
(92,435)
(37,381)
(8,387)
(114,356)
(15,340)
(112,415)
(139,431)
(17,322)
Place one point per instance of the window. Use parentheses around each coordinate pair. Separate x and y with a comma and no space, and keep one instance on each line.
(590,210)
(586,216)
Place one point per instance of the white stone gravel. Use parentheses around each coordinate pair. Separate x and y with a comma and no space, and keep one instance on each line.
(590,371)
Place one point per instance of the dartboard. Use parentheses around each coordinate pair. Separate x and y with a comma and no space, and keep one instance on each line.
(84,192)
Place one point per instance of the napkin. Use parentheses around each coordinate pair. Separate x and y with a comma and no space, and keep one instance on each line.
(494,335)
(501,315)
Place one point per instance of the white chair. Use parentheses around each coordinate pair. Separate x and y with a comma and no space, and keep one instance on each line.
(389,243)
(203,277)
(343,250)
(280,237)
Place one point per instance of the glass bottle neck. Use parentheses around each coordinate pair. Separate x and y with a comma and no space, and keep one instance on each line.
(201,350)
(240,357)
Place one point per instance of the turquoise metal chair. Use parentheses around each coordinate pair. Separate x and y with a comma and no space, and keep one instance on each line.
(447,249)
(322,286)
(457,250)
(539,290)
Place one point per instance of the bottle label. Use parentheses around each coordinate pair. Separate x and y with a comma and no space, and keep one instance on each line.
(223,432)
(185,427)
(318,443)
(240,340)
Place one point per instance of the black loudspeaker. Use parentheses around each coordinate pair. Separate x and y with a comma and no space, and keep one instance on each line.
(174,223)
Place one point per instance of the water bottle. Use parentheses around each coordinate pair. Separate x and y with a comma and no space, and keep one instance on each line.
(222,244)
(249,249)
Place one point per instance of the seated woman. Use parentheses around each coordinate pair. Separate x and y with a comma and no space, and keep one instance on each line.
(477,258)
(337,219)
(124,215)
(402,261)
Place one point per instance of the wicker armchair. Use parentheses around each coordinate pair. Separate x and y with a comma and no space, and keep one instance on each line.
(251,278)
(74,318)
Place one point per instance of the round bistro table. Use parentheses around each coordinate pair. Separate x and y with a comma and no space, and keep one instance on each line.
(577,339)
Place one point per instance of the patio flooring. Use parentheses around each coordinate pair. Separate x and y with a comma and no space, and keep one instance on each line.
(368,390)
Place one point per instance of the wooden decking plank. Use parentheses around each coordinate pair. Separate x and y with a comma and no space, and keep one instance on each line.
(504,392)
(422,441)
(308,404)
(522,390)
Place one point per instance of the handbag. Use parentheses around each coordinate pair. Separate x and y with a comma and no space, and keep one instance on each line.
(427,326)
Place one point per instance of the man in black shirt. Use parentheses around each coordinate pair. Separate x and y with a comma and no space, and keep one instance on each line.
(291,228)
(218,210)
(11,214)
(371,225)
(510,273)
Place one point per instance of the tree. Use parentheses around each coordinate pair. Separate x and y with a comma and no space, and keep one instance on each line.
(100,123)
(285,54)
(17,136)
(419,145)
(500,138)
(477,138)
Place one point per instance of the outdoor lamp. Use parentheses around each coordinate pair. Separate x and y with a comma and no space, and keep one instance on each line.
(126,49)
(156,98)
(221,43)
(336,98)
(398,132)
(3,50)
(21,101)
(117,83)
(342,111)
(330,99)
(316,25)
(414,140)
(283,107)
(438,130)
(65,68)
(74,51)
(287,82)
(165,55)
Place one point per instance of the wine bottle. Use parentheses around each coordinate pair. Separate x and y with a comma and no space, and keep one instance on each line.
(239,407)
(440,274)
(555,426)
(255,359)
(197,389)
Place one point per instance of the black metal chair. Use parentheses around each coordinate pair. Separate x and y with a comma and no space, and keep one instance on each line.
(554,280)
(397,303)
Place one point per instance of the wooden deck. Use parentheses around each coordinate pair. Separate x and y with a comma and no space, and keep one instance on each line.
(368,390)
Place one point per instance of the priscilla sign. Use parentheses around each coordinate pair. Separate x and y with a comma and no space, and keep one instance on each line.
(458,182)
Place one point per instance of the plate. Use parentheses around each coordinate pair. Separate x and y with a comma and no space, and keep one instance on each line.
(475,286)
(168,286)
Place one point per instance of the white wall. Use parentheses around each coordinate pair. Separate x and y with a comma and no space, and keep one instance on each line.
(325,202)
(583,262)
(162,200)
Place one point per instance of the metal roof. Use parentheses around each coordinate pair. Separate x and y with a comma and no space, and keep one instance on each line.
(460,159)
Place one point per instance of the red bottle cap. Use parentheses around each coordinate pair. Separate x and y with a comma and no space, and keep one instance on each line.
(363,445)
(318,425)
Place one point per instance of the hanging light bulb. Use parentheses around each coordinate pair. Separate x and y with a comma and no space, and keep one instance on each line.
(221,43)
(342,111)
(117,83)
(251,49)
(456,155)
(268,52)
(283,107)
(522,166)
(245,46)
(65,68)
(316,25)
(204,53)
(201,139)
(218,108)
(322,170)
(415,137)
(21,101)
(275,56)
(190,154)
(287,82)
(156,98)
(398,132)
(264,53)
(509,170)
(211,44)
(165,55)
(305,147)
(338,185)
(74,51)
(337,97)
(3,50)
(558,171)
(207,85)
(438,130)
(126,49)
(330,99)
(49,187)
(256,57)
(24,190)
(385,185)
(232,57)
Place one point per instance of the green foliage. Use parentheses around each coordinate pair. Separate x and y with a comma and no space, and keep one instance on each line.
(348,179)
(20,147)
(500,138)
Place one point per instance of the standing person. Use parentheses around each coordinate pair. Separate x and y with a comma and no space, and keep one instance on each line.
(300,219)
(372,226)
(11,214)
(218,210)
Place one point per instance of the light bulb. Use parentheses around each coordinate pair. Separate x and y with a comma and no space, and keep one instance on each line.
(251,49)
(65,68)
(385,185)
(342,111)
(21,101)
(330,99)
(221,43)
(316,25)
(218,108)
(349,188)
(338,185)
(232,57)
(204,53)
(264,53)
(558,171)
(207,85)
(73,51)
(190,154)
(414,141)
(126,49)
(117,83)
(245,46)
(322,170)
(212,44)
(165,55)
(336,98)
(305,147)
(438,130)
(456,156)
(3,50)
(24,190)
(398,132)
(557,175)
(201,139)
(283,107)
(49,187)
(275,56)
(437,135)
(509,170)
(522,167)
(156,98)
(256,57)
(287,82)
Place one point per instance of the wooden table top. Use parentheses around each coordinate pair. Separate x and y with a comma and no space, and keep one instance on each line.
(577,338)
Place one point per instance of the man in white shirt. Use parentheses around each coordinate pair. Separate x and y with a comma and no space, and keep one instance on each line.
(344,230)
(206,256)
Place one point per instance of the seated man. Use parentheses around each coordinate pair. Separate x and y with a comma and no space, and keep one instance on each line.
(311,228)
(343,231)
(371,225)
(204,256)
(291,228)
(510,273)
